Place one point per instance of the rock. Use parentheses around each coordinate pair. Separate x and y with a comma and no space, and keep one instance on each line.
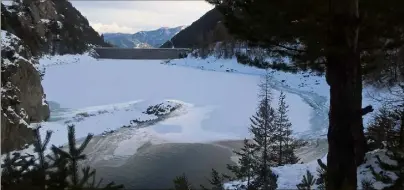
(14,135)
(23,99)
(50,26)
(27,79)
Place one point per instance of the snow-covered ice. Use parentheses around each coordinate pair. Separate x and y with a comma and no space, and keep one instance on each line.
(217,97)
(221,102)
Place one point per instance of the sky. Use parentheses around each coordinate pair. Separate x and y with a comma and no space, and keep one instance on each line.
(133,16)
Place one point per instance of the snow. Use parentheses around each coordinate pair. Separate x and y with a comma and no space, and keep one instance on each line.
(89,82)
(311,87)
(216,98)
(288,176)
(8,38)
(291,175)
(102,96)
(95,120)
(46,21)
(8,43)
(7,3)
(60,25)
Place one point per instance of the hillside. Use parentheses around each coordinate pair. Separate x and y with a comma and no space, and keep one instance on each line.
(49,26)
(206,30)
(29,30)
(142,39)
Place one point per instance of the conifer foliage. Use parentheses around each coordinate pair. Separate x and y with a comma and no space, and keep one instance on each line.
(307,182)
(246,163)
(58,170)
(181,183)
(395,152)
(321,181)
(286,144)
(272,143)
(382,131)
(263,129)
(216,181)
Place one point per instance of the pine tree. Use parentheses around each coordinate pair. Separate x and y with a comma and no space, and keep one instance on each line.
(322,175)
(286,144)
(335,37)
(52,172)
(39,172)
(382,132)
(246,164)
(181,183)
(263,128)
(395,153)
(75,155)
(307,182)
(367,184)
(14,171)
(216,181)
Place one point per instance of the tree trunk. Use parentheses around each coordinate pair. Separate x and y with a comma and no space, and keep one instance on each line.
(343,74)
(402,130)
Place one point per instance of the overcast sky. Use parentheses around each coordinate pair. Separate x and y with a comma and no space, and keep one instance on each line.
(133,16)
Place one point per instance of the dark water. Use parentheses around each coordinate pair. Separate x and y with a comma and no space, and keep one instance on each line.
(155,166)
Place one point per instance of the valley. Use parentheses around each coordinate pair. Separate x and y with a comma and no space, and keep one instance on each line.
(231,94)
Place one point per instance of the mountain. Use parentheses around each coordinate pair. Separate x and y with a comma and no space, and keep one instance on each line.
(204,31)
(142,39)
(29,30)
(42,24)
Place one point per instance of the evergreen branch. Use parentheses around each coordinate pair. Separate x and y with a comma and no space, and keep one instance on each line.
(367,110)
(380,176)
(85,143)
(47,139)
(386,166)
(289,48)
(86,175)
(61,152)
(72,140)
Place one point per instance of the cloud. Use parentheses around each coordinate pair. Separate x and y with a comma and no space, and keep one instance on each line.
(111,28)
(124,16)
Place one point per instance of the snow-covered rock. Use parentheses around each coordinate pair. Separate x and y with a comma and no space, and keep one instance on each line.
(49,26)
(22,95)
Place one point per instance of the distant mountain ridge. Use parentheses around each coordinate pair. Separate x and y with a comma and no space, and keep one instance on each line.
(142,39)
(207,30)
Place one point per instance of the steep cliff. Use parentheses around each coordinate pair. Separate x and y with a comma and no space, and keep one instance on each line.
(22,96)
(30,29)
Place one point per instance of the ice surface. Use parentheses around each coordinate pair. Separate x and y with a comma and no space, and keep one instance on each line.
(222,102)
(217,98)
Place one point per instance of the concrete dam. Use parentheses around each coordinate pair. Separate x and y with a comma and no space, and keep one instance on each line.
(135,53)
